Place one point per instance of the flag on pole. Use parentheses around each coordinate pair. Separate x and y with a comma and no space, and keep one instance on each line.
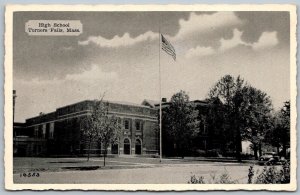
(168,47)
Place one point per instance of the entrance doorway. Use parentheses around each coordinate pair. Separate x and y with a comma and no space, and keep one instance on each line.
(115,149)
(138,147)
(126,146)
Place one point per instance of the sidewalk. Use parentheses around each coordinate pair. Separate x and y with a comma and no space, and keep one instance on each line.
(215,159)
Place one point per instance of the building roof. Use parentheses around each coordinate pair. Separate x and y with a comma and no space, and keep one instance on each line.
(17,124)
(151,103)
(64,109)
(200,102)
(197,102)
(128,103)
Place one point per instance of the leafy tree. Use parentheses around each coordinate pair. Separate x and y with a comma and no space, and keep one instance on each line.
(257,117)
(273,134)
(279,135)
(180,122)
(247,112)
(100,126)
(216,123)
(285,127)
(230,92)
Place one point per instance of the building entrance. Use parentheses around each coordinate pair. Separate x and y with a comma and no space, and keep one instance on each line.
(126,146)
(115,149)
(138,147)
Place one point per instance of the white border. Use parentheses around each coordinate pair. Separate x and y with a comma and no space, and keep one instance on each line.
(8,83)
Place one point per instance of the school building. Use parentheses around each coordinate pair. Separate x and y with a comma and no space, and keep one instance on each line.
(58,133)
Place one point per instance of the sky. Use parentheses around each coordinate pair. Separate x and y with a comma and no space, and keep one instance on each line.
(118,54)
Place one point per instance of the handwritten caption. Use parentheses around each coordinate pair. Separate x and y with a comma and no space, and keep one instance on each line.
(53,27)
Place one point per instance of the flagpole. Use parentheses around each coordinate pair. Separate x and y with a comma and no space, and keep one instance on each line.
(160,99)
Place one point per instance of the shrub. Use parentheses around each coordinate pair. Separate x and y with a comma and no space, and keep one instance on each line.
(271,175)
(195,180)
(212,153)
(224,178)
(246,156)
(200,152)
(250,174)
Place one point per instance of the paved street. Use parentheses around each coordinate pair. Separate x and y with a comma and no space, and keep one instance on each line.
(125,170)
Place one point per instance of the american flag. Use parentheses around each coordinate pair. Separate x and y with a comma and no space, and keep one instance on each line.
(168,47)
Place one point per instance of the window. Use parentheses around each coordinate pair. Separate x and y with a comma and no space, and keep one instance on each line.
(126,124)
(119,120)
(44,131)
(204,129)
(138,125)
(36,131)
(51,132)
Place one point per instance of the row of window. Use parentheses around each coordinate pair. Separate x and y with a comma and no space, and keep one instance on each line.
(47,130)
(138,125)
(44,131)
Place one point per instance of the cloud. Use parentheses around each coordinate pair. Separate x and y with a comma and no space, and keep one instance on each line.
(233,42)
(266,40)
(95,73)
(46,95)
(199,51)
(206,22)
(196,23)
(118,41)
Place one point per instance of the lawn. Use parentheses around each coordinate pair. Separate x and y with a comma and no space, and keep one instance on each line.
(65,164)
(122,170)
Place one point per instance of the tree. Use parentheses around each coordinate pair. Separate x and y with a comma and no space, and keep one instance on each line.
(217,124)
(257,116)
(229,91)
(279,135)
(109,131)
(285,127)
(180,122)
(273,134)
(247,112)
(89,125)
(89,133)
(100,126)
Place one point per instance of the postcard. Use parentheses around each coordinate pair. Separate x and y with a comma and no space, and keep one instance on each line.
(150,97)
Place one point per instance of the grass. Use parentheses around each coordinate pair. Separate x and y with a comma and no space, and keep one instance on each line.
(27,164)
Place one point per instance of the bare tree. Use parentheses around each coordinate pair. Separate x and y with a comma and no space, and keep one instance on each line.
(90,125)
(109,131)
(88,132)
(99,126)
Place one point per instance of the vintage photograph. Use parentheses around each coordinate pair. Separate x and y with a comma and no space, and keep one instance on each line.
(171,97)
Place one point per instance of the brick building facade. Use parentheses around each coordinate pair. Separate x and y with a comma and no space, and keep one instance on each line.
(58,133)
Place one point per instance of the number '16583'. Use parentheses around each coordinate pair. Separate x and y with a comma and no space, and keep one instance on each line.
(29,174)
